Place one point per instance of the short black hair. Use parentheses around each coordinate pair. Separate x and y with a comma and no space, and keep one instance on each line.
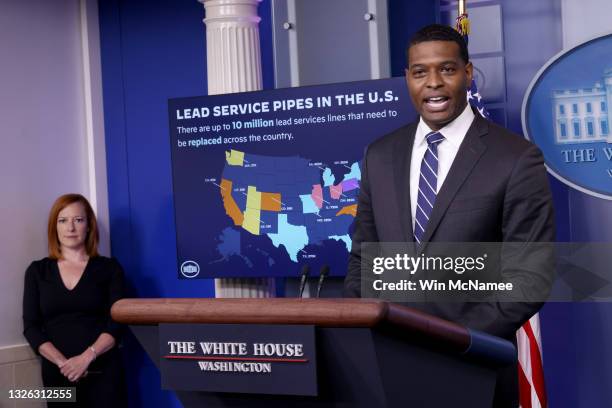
(439,32)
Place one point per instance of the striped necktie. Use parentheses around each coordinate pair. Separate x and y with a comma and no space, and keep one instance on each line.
(428,184)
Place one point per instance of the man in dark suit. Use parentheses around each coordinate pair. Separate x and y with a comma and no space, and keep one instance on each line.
(455,177)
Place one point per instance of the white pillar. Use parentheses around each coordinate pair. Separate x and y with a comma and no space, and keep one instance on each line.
(233,61)
(232,46)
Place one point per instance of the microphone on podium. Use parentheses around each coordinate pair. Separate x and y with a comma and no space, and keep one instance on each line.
(322,275)
(304,275)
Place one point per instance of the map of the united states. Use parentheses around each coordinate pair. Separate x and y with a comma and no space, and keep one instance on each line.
(293,201)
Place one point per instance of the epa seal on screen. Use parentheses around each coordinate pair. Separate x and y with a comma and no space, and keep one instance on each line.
(566,112)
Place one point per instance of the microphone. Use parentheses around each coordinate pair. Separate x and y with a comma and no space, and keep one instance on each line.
(304,274)
(322,275)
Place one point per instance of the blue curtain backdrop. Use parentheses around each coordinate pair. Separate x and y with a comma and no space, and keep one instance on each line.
(151,51)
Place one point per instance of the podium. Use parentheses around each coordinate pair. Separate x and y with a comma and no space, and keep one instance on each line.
(369,353)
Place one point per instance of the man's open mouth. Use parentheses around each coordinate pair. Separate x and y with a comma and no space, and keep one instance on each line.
(437,102)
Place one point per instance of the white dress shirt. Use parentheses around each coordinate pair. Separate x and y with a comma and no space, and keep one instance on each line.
(453,133)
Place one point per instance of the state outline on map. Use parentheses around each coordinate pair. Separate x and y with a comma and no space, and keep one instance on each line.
(266,186)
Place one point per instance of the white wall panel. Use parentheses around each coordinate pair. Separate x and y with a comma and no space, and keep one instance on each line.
(44,133)
(583,20)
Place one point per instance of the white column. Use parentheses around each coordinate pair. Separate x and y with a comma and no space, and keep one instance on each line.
(94,119)
(232,46)
(233,61)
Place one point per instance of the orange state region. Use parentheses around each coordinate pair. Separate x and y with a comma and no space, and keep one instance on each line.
(231,208)
(348,210)
(271,202)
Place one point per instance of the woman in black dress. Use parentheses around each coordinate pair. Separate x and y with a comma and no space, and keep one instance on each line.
(66,308)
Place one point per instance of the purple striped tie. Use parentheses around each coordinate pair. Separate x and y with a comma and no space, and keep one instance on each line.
(428,184)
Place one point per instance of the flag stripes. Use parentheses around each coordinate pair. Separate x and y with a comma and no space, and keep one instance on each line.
(532,389)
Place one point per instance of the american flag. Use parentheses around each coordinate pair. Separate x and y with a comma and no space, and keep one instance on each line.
(475,99)
(532,389)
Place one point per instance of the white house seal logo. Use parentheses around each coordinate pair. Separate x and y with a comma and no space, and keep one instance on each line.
(566,112)
(190,269)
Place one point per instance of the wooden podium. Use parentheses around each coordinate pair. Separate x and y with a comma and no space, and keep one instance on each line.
(369,353)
